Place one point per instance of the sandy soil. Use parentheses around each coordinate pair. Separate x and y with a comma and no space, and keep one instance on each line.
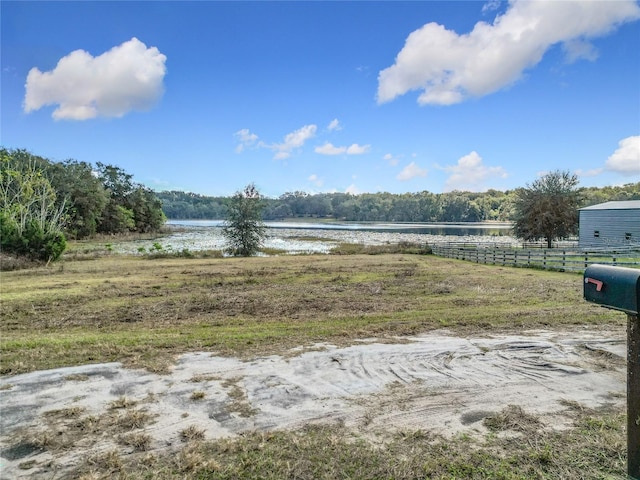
(436,382)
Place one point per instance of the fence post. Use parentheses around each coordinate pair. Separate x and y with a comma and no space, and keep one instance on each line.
(544,259)
(515,257)
(564,258)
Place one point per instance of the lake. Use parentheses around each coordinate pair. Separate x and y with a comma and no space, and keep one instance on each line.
(317,237)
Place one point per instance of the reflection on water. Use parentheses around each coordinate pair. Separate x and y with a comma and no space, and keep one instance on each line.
(291,237)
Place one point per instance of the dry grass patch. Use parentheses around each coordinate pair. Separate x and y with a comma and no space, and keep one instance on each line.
(591,449)
(192,433)
(512,418)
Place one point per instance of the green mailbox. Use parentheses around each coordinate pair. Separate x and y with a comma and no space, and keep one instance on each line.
(613,287)
(619,288)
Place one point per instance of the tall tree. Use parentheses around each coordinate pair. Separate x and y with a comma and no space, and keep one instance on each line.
(244,229)
(30,220)
(548,208)
(83,194)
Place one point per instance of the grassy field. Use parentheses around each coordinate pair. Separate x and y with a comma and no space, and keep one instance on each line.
(144,312)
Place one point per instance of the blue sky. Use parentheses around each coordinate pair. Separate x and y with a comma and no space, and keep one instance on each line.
(327,96)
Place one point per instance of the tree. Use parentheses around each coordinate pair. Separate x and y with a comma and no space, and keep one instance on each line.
(30,221)
(83,194)
(244,229)
(131,207)
(548,208)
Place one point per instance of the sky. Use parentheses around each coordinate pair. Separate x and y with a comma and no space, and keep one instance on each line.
(327,96)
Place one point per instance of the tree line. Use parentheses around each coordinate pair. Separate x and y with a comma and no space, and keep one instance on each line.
(42,203)
(456,206)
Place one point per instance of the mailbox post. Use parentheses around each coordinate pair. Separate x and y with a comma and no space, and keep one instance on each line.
(619,288)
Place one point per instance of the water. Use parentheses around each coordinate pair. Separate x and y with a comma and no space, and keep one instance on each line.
(298,238)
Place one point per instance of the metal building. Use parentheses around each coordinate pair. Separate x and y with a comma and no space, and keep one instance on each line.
(610,224)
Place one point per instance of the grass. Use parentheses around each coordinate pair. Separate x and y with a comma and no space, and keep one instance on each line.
(144,312)
(590,450)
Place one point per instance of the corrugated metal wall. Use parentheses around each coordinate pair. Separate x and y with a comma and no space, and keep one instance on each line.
(609,228)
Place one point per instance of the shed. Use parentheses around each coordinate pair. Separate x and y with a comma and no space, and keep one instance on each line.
(610,224)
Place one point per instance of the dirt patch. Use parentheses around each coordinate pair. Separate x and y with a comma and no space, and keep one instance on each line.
(437,382)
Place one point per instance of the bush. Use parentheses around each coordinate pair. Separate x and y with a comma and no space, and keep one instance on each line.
(33,243)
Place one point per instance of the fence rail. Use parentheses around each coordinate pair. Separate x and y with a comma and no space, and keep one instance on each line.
(563,260)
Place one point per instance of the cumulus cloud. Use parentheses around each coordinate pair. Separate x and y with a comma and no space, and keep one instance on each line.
(127,77)
(449,67)
(626,159)
(330,149)
(471,174)
(354,149)
(411,171)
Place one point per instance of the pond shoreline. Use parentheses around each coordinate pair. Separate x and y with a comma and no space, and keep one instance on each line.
(312,238)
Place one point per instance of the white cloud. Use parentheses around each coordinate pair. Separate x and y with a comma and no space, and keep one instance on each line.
(293,140)
(393,161)
(449,67)
(594,172)
(330,149)
(127,77)
(490,6)
(354,149)
(317,181)
(470,174)
(411,171)
(626,159)
(245,138)
(334,125)
(579,49)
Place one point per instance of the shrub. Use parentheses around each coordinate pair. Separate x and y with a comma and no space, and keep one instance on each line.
(34,242)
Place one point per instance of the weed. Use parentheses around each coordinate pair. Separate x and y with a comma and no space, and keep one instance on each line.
(195,460)
(71,412)
(77,377)
(513,418)
(139,441)
(192,433)
(28,465)
(122,402)
(132,419)
(197,395)
(109,462)
(204,378)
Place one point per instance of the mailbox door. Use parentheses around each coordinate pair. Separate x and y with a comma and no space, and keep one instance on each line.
(613,287)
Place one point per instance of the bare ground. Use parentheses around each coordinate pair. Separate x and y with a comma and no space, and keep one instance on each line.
(53,420)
